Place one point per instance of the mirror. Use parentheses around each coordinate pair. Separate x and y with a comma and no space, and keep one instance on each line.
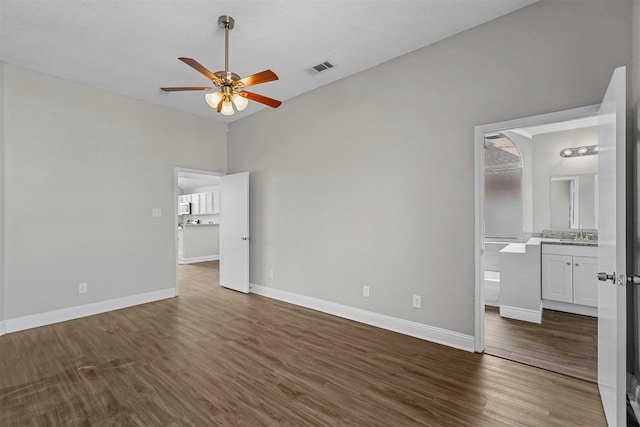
(564,197)
(573,201)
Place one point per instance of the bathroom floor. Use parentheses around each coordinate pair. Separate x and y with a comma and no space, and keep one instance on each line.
(564,343)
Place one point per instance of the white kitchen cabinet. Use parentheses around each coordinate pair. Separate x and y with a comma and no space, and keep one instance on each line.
(207,203)
(195,204)
(569,274)
(216,201)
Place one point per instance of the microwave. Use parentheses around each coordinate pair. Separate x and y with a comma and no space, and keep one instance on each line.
(184,208)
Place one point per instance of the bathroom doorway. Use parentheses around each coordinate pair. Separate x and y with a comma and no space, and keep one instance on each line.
(516,164)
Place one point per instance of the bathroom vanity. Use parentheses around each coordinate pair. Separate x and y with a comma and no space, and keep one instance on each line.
(555,272)
(569,280)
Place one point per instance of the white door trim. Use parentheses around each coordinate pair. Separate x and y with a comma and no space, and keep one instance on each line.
(479,132)
(176,193)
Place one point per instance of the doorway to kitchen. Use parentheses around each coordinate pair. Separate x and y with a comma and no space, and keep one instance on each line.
(536,235)
(197,226)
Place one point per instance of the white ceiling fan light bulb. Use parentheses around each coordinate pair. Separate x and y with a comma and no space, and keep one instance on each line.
(227,108)
(213,99)
(240,101)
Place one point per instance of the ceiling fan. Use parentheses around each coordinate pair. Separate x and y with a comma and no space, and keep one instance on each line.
(229,85)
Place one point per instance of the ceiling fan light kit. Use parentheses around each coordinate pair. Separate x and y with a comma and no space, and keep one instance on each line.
(229,85)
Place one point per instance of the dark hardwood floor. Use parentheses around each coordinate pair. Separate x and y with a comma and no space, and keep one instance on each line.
(217,357)
(564,342)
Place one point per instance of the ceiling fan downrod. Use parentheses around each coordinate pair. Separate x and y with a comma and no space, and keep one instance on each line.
(226,22)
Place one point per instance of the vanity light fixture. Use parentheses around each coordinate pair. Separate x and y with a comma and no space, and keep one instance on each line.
(588,150)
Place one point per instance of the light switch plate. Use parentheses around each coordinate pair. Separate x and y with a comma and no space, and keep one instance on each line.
(156,212)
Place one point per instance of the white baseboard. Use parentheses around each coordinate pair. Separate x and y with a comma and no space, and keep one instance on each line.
(195,259)
(41,319)
(570,308)
(395,324)
(527,315)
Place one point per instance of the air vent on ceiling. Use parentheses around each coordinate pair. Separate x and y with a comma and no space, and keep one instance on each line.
(320,68)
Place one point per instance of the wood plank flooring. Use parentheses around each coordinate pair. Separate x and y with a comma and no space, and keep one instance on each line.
(564,342)
(217,357)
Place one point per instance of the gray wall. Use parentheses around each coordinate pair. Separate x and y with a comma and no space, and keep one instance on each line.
(369,180)
(83,169)
(547,163)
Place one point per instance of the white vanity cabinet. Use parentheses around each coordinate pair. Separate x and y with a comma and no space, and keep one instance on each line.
(569,281)
(557,277)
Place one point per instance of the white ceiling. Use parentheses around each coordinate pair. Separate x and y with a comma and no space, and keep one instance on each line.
(131,47)
(189,181)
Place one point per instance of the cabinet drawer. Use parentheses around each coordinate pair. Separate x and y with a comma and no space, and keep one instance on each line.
(575,250)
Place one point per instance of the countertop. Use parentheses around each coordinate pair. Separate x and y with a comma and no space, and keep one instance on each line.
(521,248)
(549,241)
(196,225)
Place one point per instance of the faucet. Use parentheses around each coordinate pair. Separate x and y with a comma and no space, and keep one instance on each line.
(581,232)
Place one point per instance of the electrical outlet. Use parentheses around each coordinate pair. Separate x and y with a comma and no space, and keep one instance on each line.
(366,291)
(272,274)
(156,212)
(82,288)
(417,301)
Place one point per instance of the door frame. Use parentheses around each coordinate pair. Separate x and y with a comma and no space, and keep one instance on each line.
(479,133)
(176,219)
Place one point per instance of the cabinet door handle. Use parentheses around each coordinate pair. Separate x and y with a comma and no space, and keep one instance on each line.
(568,263)
(577,265)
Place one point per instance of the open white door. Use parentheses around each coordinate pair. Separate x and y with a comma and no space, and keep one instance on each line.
(612,250)
(234,231)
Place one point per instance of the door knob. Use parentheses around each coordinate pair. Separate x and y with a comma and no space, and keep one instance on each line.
(245,238)
(603,277)
(621,280)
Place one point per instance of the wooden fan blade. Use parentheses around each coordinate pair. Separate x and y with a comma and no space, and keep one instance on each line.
(220,105)
(202,69)
(176,89)
(261,99)
(256,79)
